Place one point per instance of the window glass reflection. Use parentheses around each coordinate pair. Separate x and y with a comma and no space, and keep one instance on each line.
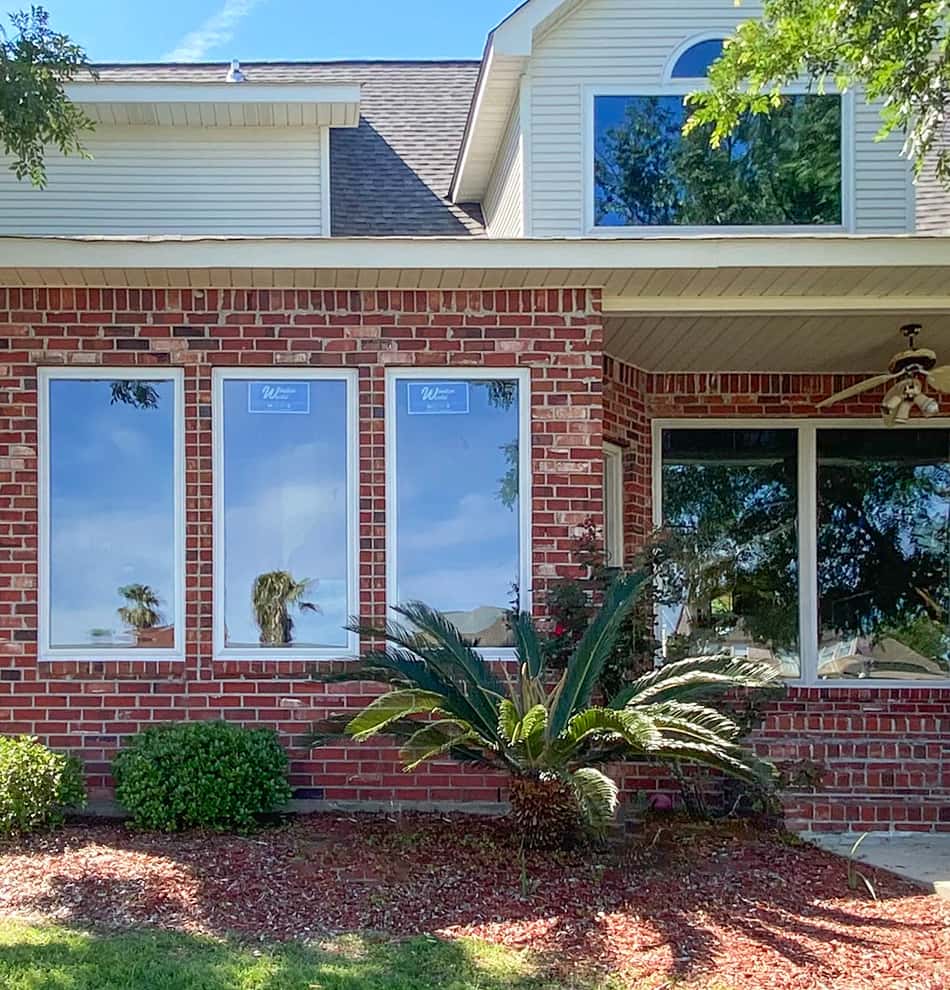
(884,553)
(285,522)
(780,169)
(458,500)
(730,501)
(111,514)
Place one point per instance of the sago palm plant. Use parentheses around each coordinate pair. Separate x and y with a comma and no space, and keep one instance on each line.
(446,700)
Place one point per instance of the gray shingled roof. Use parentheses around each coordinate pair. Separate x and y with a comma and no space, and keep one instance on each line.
(389,176)
(933,198)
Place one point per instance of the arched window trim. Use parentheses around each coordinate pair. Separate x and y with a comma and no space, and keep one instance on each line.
(681,49)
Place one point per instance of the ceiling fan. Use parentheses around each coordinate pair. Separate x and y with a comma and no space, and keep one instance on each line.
(910,370)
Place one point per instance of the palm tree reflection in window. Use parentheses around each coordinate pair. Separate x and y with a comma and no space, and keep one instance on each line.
(273,596)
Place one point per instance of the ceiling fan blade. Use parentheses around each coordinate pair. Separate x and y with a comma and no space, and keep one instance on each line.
(864,386)
(939,377)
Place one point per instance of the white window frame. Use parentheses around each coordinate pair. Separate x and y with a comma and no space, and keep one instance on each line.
(465,373)
(680,87)
(45,651)
(807,430)
(614,544)
(350,376)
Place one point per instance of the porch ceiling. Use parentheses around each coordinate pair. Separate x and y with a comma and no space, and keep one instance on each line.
(801,342)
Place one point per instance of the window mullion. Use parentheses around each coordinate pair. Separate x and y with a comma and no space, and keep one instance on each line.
(807,553)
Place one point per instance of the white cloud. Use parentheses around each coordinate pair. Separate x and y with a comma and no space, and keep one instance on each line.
(217,30)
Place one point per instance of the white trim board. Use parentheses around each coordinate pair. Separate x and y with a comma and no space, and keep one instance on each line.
(526,549)
(285,373)
(45,651)
(807,525)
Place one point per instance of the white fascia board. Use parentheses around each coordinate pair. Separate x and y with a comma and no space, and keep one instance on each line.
(224,92)
(593,255)
(515,34)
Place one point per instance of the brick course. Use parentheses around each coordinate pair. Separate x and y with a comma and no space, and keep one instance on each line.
(887,749)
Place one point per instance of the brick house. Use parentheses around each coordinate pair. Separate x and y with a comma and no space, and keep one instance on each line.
(397,330)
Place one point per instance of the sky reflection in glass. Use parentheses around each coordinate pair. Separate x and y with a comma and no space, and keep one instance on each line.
(285,507)
(457,504)
(112,513)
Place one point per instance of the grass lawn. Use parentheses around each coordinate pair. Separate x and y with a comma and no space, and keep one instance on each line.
(48,957)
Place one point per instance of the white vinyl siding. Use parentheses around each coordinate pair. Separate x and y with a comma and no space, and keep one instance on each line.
(883,180)
(157,180)
(610,45)
(504,208)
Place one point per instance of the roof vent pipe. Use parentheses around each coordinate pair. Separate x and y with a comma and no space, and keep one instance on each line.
(234,73)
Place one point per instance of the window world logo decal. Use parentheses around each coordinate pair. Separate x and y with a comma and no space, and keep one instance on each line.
(438,398)
(279,397)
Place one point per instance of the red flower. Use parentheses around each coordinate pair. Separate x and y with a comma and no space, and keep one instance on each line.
(559,630)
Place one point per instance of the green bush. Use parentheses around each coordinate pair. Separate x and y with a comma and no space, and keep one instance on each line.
(201,775)
(35,785)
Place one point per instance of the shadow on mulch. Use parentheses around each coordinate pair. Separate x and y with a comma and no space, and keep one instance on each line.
(746,906)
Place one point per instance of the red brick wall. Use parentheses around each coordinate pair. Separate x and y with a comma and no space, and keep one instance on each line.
(89,707)
(887,750)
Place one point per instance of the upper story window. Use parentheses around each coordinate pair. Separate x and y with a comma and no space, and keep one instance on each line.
(779,170)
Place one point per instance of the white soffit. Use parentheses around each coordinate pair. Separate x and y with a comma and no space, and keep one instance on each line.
(656,276)
(841,343)
(224,104)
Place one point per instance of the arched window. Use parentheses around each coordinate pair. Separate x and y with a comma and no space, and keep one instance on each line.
(779,170)
(694,62)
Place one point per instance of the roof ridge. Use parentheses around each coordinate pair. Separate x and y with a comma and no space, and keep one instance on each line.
(302,63)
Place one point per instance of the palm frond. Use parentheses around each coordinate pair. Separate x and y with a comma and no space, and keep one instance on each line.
(729,759)
(696,677)
(697,717)
(596,796)
(508,720)
(391,707)
(635,731)
(528,644)
(435,739)
(587,661)
(363,673)
(457,660)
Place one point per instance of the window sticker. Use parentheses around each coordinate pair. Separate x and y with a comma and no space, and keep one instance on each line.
(438,398)
(279,397)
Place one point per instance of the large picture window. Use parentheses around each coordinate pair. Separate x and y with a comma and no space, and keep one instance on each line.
(459,497)
(111,514)
(884,553)
(285,529)
(831,543)
(730,500)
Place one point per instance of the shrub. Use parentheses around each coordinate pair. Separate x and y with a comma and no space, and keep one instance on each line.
(35,785)
(201,774)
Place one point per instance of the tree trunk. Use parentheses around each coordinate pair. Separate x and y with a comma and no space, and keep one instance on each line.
(544,811)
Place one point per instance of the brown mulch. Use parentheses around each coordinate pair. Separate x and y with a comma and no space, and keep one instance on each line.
(735,906)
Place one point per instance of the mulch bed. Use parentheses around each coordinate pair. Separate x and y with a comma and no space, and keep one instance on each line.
(735,907)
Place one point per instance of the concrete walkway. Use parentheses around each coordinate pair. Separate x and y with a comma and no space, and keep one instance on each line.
(923,858)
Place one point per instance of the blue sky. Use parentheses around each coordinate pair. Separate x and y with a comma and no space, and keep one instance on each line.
(213,30)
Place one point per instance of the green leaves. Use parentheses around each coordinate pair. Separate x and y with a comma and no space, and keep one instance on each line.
(35,785)
(596,796)
(898,52)
(201,775)
(389,708)
(584,667)
(35,113)
(433,740)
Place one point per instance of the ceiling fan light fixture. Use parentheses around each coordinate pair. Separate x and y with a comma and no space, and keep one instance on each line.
(926,404)
(903,411)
